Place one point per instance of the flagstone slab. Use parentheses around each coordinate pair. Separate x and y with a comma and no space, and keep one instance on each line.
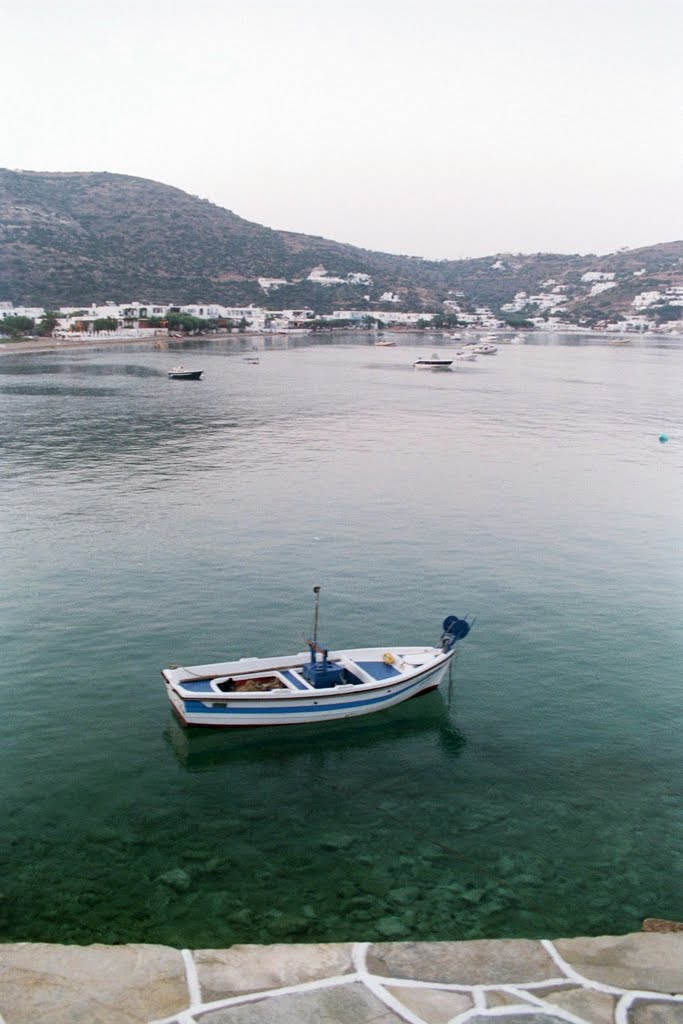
(647,961)
(588,1004)
(479,962)
(432,1005)
(352,1003)
(652,1012)
(46,984)
(223,973)
(539,1017)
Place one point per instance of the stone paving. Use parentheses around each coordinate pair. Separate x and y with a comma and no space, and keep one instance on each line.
(628,979)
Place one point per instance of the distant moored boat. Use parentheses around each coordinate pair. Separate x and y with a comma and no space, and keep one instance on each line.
(180,373)
(435,362)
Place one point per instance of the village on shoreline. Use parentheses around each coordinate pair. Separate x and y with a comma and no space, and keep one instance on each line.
(257,339)
(135,321)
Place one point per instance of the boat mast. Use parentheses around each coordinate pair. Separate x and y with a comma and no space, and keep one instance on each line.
(316,591)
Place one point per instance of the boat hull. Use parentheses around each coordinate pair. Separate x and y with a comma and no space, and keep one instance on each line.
(209,707)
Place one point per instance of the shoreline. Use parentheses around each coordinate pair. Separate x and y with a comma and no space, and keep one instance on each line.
(169,344)
(67,344)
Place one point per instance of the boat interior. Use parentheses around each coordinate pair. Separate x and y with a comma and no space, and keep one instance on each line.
(312,675)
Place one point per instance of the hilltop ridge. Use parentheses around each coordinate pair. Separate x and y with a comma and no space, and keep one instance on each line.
(88,237)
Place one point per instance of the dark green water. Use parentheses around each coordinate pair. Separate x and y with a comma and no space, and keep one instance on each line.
(147,522)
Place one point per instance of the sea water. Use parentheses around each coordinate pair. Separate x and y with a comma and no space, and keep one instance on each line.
(148,522)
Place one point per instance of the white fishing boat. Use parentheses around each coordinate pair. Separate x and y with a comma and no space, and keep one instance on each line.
(434,362)
(317,685)
(485,348)
(385,343)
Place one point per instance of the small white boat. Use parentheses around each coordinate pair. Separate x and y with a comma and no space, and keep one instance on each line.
(466,354)
(485,348)
(434,362)
(315,686)
(180,373)
(385,343)
(251,359)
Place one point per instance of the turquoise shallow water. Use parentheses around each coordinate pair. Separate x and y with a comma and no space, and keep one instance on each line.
(147,522)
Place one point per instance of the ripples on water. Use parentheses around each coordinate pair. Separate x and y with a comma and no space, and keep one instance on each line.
(147,521)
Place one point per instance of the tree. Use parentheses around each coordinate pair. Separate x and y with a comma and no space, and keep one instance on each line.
(47,324)
(447,320)
(17,326)
(516,320)
(667,312)
(185,323)
(105,323)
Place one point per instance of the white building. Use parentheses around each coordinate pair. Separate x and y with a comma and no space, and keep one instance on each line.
(289,319)
(268,284)
(320,276)
(519,302)
(596,275)
(387,316)
(645,299)
(544,301)
(602,286)
(254,315)
(34,312)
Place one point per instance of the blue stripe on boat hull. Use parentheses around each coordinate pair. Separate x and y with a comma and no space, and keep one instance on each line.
(286,712)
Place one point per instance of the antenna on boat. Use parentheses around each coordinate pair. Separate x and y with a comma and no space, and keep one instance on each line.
(316,591)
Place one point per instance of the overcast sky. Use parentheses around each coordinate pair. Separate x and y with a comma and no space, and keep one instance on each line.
(437,128)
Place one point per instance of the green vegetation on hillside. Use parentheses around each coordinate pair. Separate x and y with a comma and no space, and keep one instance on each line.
(81,238)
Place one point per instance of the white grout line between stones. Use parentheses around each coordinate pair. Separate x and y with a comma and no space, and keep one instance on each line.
(192,978)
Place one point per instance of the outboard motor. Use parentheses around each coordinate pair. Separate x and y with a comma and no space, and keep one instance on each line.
(454,629)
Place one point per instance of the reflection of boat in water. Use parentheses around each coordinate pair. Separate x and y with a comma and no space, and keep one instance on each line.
(428,719)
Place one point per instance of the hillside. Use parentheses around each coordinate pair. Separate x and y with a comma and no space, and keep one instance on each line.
(77,238)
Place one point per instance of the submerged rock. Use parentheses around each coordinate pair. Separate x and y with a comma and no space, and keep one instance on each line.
(336,842)
(392,928)
(176,879)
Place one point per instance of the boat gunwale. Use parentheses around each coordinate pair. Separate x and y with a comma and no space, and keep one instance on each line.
(289,693)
